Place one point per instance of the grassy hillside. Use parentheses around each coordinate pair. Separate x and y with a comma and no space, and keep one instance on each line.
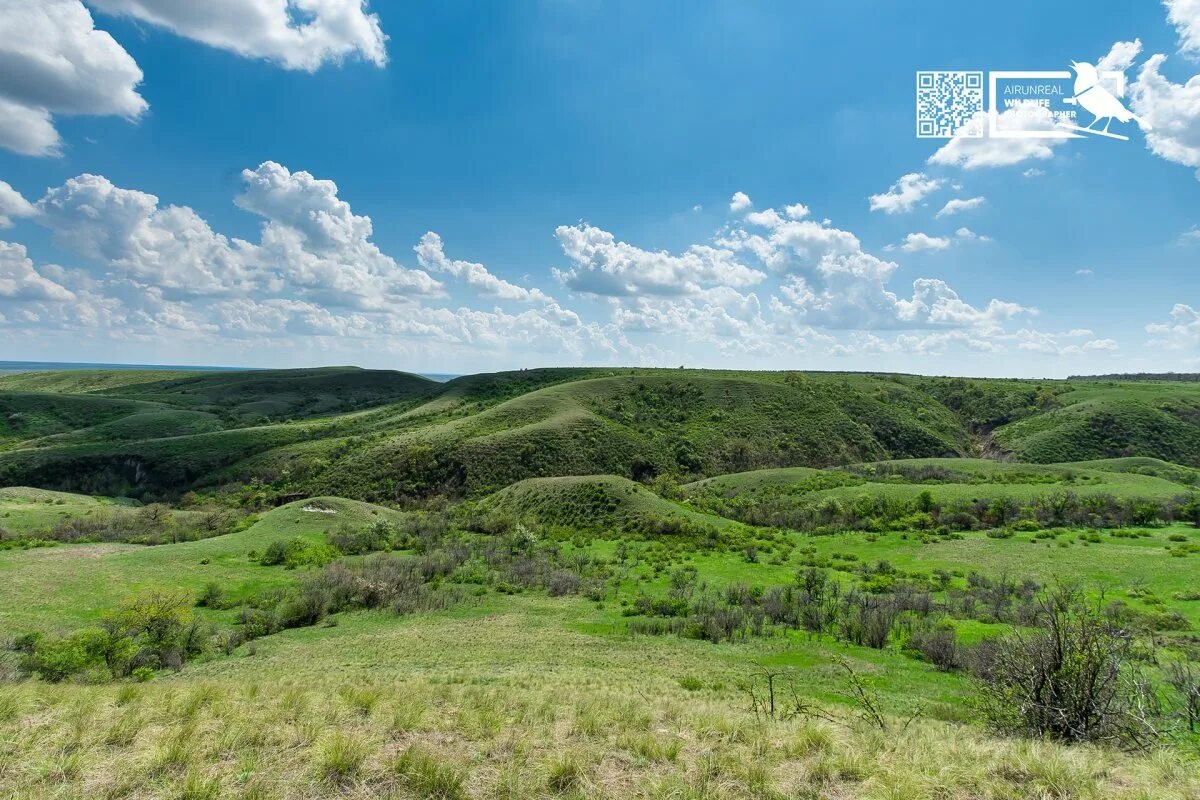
(69,585)
(605,502)
(643,425)
(87,381)
(153,433)
(28,416)
(23,509)
(261,395)
(384,436)
(1109,420)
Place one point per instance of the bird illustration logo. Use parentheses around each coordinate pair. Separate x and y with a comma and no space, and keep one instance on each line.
(1099,101)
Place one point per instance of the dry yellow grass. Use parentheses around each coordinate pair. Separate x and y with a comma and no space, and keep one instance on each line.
(425,738)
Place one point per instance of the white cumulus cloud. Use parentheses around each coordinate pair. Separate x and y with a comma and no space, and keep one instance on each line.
(314,242)
(905,194)
(602,265)
(431,255)
(1185,16)
(167,246)
(1171,112)
(311,241)
(297,34)
(53,60)
(1180,333)
(916,242)
(959,204)
(20,281)
(739,202)
(13,205)
(1120,56)
(995,151)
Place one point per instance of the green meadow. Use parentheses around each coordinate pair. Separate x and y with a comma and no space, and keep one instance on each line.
(582,583)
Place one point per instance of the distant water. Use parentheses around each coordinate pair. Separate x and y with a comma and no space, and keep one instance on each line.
(38,366)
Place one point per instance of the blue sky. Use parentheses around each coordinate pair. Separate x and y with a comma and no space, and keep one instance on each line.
(459,187)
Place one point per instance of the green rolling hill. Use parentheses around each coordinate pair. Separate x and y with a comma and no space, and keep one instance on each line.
(384,436)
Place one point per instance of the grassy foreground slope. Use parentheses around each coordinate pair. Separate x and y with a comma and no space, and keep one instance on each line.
(514,700)
(509,704)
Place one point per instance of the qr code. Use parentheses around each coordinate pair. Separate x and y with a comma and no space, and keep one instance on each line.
(949,104)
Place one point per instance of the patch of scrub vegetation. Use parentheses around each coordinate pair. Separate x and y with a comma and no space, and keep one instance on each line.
(948,495)
(149,525)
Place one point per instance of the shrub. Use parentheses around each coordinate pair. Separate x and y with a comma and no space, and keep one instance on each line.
(258,622)
(939,646)
(55,659)
(960,521)
(297,552)
(561,583)
(154,629)
(157,616)
(275,553)
(211,596)
(1063,680)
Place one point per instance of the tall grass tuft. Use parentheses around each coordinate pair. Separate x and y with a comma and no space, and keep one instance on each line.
(197,787)
(428,777)
(361,699)
(565,772)
(10,707)
(651,746)
(340,758)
